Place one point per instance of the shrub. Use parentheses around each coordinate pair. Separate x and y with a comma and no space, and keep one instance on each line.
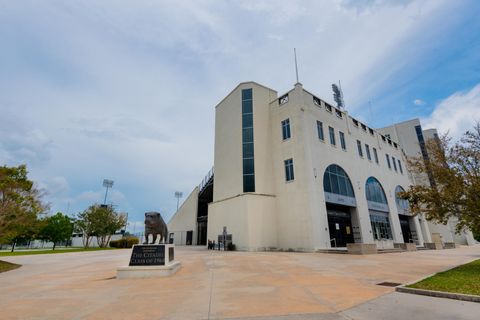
(131,241)
(114,243)
(127,242)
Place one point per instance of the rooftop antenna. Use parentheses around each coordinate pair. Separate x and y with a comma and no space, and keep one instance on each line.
(296,66)
(338,95)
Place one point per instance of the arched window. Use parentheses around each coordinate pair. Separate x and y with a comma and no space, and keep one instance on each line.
(335,180)
(374,191)
(402,205)
(378,209)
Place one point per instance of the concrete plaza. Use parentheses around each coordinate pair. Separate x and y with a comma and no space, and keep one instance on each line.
(218,285)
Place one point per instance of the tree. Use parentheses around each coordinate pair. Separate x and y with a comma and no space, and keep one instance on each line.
(20,205)
(100,221)
(57,228)
(454,172)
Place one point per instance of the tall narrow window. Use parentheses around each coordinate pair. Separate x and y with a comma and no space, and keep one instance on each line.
(375,155)
(247,141)
(331,131)
(342,140)
(359,147)
(289,170)
(286,129)
(367,150)
(400,166)
(394,164)
(320,131)
(388,161)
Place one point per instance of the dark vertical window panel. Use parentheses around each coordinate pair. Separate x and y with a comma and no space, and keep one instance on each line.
(375,155)
(248,150)
(400,166)
(388,161)
(286,129)
(320,131)
(367,150)
(394,164)
(247,106)
(331,132)
(248,166)
(289,175)
(247,141)
(359,147)
(247,94)
(247,120)
(248,183)
(342,140)
(247,135)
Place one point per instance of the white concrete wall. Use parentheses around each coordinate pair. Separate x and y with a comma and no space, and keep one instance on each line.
(185,219)
(301,207)
(249,218)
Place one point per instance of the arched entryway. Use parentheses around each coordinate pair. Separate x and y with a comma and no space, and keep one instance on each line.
(379,213)
(340,201)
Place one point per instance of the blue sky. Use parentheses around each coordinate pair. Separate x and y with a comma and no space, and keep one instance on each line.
(126,89)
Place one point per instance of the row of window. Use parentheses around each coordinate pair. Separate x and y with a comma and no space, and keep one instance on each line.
(286,133)
(318,102)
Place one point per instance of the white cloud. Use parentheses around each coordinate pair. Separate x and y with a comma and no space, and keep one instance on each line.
(457,113)
(419,102)
(90,90)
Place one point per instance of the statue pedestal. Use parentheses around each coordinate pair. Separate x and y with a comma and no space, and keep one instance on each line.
(150,261)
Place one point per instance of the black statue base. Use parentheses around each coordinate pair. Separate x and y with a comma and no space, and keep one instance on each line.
(152,255)
(150,261)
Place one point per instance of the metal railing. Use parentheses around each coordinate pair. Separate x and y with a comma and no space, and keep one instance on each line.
(334,242)
(206,180)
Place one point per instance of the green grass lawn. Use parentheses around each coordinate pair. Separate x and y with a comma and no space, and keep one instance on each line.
(7,266)
(462,279)
(50,251)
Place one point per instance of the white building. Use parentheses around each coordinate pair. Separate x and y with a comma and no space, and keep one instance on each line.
(293,172)
(412,139)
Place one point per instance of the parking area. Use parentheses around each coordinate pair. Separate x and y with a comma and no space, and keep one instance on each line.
(211,284)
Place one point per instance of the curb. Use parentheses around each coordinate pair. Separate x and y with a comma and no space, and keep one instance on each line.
(439,294)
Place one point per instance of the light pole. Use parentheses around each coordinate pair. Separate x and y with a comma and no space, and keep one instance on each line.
(107,184)
(178,195)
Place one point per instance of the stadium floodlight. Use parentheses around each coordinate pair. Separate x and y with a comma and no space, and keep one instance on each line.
(178,195)
(338,95)
(107,184)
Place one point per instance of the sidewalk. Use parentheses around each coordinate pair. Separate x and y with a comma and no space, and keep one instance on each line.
(217,285)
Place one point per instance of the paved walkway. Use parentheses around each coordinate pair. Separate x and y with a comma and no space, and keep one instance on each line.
(218,285)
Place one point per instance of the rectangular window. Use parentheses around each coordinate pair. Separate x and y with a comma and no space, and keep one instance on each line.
(286,129)
(331,131)
(342,140)
(289,170)
(367,150)
(394,164)
(359,147)
(375,155)
(247,141)
(388,161)
(328,107)
(320,131)
(400,166)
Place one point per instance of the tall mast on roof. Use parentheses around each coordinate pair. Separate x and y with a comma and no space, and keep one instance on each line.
(296,66)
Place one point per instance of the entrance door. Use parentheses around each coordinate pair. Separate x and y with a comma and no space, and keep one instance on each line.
(202,230)
(340,227)
(189,238)
(405,225)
